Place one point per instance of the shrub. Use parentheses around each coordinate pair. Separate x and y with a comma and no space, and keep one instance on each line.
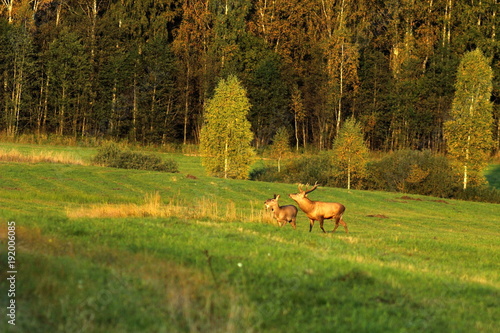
(478,193)
(112,156)
(304,169)
(411,171)
(310,169)
(107,154)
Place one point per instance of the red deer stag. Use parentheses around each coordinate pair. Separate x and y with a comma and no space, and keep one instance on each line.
(282,214)
(318,210)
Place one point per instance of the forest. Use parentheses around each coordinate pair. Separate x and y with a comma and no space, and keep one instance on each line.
(143,70)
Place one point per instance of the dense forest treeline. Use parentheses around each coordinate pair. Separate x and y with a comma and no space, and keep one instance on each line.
(143,69)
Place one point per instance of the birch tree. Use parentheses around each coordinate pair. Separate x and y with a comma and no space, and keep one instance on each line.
(468,132)
(226,136)
(350,152)
(280,148)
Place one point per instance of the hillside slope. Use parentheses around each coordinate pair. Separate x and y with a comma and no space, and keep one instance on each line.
(199,254)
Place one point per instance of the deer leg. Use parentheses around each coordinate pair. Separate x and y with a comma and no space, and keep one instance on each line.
(336,224)
(293,223)
(344,225)
(321,225)
(311,223)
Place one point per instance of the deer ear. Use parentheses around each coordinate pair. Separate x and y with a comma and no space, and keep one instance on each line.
(276,196)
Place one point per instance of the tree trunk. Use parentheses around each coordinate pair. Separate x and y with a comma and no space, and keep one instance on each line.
(341,89)
(134,108)
(296,131)
(45,105)
(186,100)
(466,162)
(113,108)
(9,4)
(60,130)
(226,157)
(349,174)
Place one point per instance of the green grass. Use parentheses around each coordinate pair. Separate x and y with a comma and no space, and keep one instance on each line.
(422,264)
(493,175)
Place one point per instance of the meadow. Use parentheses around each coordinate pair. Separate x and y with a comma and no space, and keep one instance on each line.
(110,250)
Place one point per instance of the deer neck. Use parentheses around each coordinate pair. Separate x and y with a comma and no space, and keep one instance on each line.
(306,204)
(275,207)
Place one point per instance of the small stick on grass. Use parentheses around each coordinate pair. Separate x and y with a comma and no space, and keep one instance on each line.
(209,261)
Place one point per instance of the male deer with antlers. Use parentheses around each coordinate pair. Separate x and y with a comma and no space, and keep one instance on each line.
(318,210)
(282,214)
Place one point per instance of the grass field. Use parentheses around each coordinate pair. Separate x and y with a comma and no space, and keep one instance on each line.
(109,250)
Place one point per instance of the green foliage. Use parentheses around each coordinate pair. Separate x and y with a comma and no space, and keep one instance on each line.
(112,156)
(350,154)
(411,171)
(17,67)
(481,193)
(281,145)
(468,132)
(303,169)
(226,136)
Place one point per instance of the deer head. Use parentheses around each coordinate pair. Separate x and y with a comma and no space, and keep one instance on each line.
(270,203)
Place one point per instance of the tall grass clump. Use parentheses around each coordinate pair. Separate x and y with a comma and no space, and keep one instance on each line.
(40,157)
(113,156)
(153,206)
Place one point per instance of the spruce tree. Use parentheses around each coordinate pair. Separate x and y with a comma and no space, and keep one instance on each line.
(226,136)
(468,132)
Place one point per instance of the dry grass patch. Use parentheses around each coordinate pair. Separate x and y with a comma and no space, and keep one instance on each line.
(40,157)
(175,207)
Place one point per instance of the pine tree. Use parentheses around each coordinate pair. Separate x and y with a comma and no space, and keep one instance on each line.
(226,135)
(350,152)
(468,132)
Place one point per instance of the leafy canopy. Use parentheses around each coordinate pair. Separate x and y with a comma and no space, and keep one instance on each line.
(226,136)
(468,132)
(350,152)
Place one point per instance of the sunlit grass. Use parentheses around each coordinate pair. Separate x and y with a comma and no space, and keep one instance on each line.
(109,250)
(198,208)
(39,157)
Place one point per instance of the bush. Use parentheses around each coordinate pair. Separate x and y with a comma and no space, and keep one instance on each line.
(112,156)
(310,169)
(304,169)
(478,193)
(411,171)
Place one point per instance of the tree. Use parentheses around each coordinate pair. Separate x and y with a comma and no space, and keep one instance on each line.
(267,91)
(350,152)
(69,69)
(190,46)
(280,147)
(16,64)
(226,136)
(468,132)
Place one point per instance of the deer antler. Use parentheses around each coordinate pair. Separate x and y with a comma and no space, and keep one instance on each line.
(313,188)
(306,186)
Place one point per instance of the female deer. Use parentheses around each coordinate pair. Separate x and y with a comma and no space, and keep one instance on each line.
(282,214)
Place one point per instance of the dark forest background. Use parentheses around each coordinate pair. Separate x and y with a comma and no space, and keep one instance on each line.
(142,70)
